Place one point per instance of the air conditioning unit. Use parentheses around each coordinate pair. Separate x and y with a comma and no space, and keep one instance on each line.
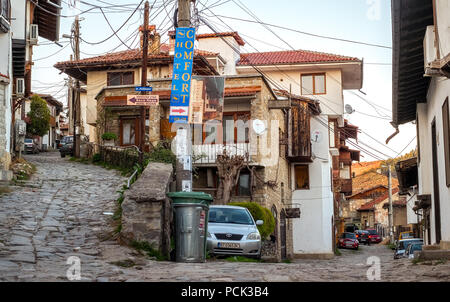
(429,52)
(34,34)
(20,86)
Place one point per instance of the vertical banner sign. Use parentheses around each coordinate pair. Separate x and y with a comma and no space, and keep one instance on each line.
(182,73)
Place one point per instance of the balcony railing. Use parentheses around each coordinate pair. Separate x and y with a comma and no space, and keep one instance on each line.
(208,153)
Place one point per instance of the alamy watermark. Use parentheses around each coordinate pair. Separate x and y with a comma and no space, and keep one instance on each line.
(374,271)
(73,273)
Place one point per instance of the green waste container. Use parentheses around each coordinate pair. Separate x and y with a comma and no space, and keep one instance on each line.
(191,211)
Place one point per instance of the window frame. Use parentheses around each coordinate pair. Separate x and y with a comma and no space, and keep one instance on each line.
(221,128)
(314,75)
(243,172)
(295,177)
(121,74)
(136,131)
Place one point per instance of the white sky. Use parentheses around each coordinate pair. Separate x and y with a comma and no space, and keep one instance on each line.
(366,21)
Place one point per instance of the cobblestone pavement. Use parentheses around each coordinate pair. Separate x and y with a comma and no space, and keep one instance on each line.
(60,213)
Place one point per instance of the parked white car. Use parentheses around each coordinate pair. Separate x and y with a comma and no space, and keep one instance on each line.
(233,231)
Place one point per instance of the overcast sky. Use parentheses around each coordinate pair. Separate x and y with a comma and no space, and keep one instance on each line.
(367,21)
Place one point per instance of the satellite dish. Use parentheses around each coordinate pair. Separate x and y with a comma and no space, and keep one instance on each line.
(349,109)
(259,127)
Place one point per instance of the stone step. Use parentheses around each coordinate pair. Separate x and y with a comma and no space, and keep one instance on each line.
(431,247)
(435,255)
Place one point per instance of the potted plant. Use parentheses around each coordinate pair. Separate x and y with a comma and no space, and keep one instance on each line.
(109,139)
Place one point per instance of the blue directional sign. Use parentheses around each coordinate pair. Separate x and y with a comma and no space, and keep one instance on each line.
(182,73)
(140,89)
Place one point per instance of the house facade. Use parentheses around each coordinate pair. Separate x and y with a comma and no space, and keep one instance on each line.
(22,22)
(421,90)
(289,170)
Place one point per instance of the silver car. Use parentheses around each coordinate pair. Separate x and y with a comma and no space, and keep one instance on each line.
(233,231)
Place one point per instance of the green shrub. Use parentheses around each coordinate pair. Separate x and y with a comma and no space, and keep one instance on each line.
(162,154)
(97,158)
(259,213)
(109,136)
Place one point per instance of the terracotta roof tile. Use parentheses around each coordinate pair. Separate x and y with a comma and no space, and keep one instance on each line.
(126,56)
(235,35)
(370,205)
(371,180)
(291,57)
(363,167)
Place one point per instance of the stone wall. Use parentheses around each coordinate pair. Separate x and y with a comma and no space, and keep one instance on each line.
(146,210)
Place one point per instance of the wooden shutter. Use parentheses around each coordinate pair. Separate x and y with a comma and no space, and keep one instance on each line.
(446,123)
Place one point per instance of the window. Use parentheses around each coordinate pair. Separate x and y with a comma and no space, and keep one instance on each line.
(313,84)
(234,129)
(344,172)
(301,177)
(446,123)
(244,184)
(120,78)
(128,132)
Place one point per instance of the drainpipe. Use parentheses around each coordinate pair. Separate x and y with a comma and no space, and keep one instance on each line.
(397,131)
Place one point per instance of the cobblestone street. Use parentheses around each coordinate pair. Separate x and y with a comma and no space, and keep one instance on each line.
(60,213)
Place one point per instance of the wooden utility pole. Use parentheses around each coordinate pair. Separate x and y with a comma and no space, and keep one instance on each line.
(77,102)
(184,142)
(144,80)
(391,214)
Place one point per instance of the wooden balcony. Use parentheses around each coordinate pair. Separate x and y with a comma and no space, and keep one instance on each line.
(299,133)
(346,187)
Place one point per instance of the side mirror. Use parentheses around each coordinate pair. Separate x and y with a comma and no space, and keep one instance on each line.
(259,222)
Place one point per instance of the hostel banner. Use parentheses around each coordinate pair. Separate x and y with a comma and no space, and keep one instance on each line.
(182,73)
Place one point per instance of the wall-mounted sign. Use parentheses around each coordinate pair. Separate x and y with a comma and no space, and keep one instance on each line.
(292,213)
(142,100)
(140,89)
(182,73)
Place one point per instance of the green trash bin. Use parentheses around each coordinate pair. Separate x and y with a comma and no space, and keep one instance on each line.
(191,211)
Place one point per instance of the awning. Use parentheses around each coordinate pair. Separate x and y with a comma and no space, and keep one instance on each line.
(410,19)
(47,17)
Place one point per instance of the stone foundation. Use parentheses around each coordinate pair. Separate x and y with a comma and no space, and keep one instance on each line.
(327,256)
(146,210)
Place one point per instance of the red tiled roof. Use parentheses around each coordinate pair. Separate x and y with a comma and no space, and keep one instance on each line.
(371,180)
(235,35)
(291,57)
(126,56)
(370,205)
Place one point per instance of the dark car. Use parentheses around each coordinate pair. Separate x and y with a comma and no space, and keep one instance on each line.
(31,146)
(67,146)
(363,236)
(348,241)
(373,236)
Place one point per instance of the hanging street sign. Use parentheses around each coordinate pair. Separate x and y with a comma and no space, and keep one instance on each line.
(182,73)
(146,89)
(142,100)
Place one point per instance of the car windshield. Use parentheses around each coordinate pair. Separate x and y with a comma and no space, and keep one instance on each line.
(349,236)
(28,140)
(415,247)
(230,215)
(403,245)
(68,139)
(373,232)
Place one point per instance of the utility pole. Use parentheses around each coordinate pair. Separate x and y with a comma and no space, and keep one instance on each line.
(184,142)
(144,80)
(77,105)
(391,214)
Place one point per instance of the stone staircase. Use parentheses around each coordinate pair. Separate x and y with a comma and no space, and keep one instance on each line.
(436,252)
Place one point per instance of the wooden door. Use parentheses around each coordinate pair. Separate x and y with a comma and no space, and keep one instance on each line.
(437,202)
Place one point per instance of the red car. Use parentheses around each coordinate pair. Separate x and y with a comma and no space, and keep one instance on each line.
(374,237)
(348,241)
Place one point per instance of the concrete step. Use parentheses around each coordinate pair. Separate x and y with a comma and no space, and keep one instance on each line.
(431,247)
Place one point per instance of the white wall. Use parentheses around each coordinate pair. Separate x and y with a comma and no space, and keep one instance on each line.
(439,90)
(19,19)
(443,20)
(312,233)
(411,216)
(217,45)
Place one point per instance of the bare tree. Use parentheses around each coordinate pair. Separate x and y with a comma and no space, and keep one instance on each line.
(229,170)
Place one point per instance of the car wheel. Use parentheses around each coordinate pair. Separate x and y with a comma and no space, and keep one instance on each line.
(63,155)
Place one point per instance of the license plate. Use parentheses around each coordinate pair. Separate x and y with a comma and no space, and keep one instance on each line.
(226,245)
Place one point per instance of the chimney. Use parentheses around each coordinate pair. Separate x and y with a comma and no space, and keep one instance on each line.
(154,40)
(172,42)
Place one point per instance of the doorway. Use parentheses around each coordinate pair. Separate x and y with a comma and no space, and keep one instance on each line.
(437,201)
(283,235)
